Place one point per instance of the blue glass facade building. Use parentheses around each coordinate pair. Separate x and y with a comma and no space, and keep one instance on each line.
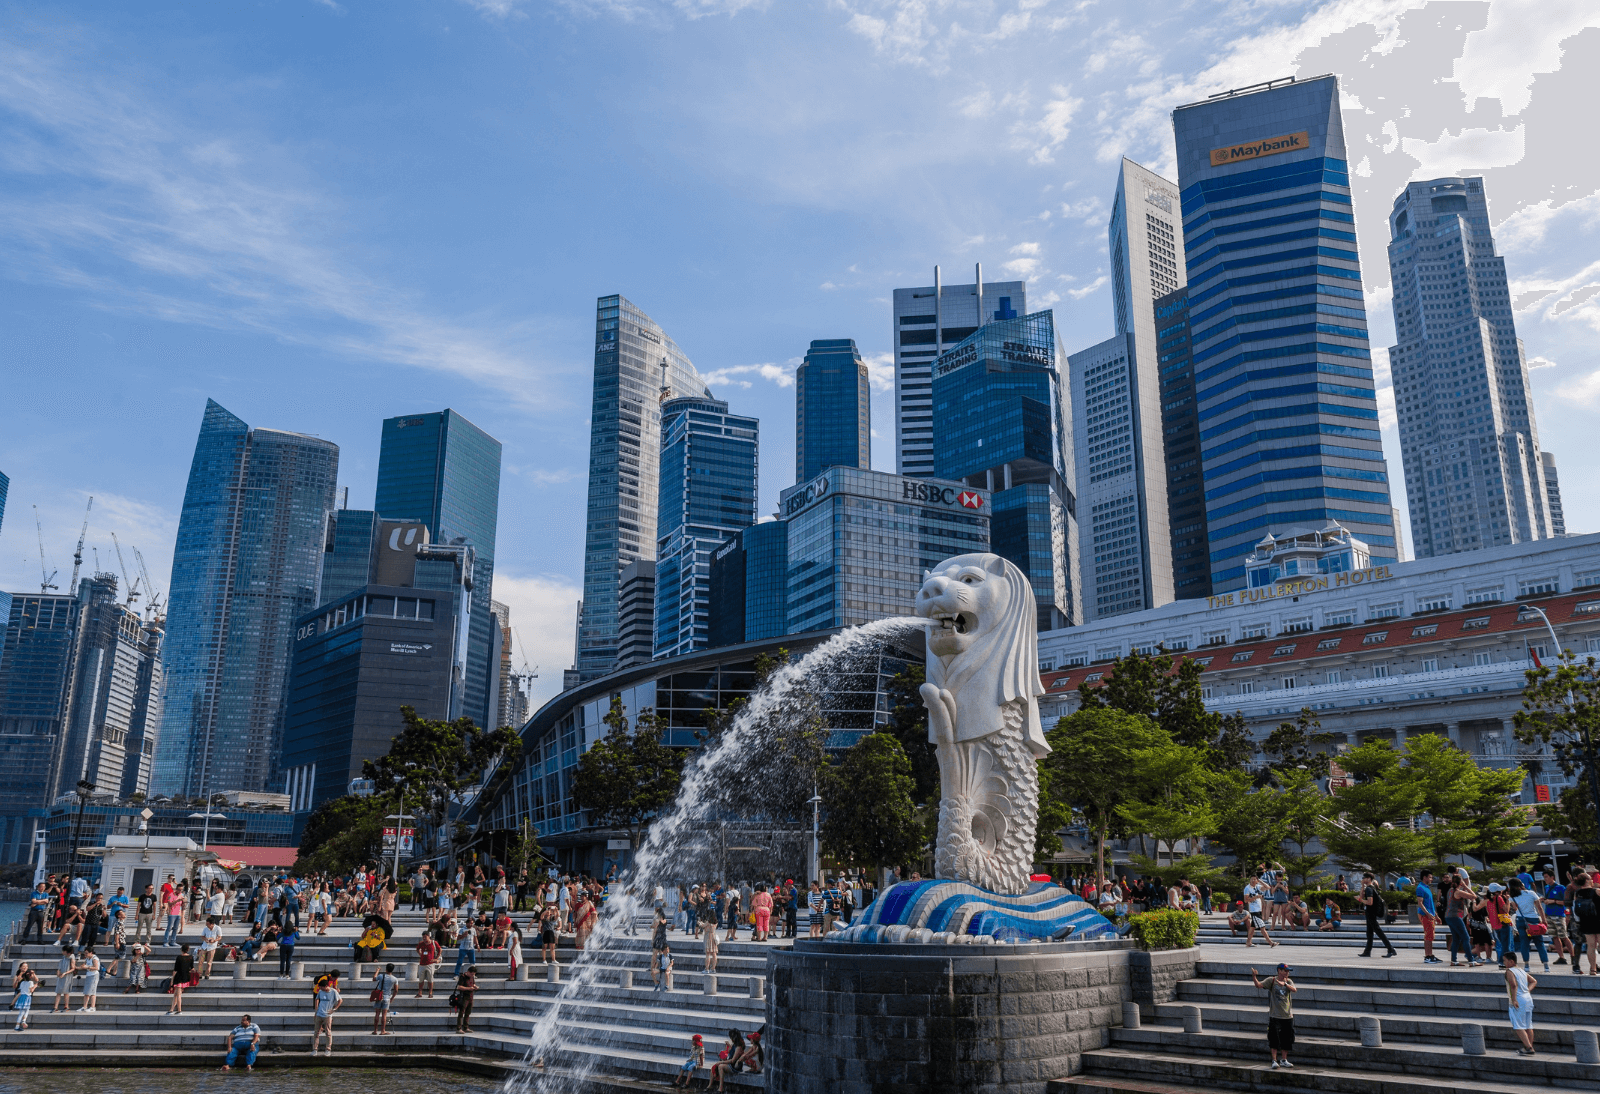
(997,410)
(832,409)
(1180,442)
(750,585)
(5,488)
(708,476)
(636,367)
(1283,380)
(443,471)
(35,678)
(246,566)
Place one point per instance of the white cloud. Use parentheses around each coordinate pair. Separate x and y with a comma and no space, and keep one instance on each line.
(1540,362)
(778,374)
(1583,390)
(1025,249)
(1091,287)
(1383,381)
(1021,267)
(542,476)
(543,614)
(1052,128)
(827,286)
(880,370)
(1522,39)
(143,213)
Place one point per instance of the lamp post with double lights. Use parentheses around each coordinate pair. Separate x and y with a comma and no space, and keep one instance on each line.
(1582,727)
(205,830)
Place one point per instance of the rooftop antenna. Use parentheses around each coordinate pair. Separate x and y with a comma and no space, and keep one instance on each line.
(45,583)
(133,586)
(77,554)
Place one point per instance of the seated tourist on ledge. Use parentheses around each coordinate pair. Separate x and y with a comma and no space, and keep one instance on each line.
(1299,914)
(1331,916)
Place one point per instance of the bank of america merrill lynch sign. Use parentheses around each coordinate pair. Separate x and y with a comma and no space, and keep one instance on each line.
(1271,146)
(1299,588)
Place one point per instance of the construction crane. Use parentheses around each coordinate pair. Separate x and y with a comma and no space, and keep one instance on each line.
(133,586)
(45,583)
(77,554)
(528,673)
(152,598)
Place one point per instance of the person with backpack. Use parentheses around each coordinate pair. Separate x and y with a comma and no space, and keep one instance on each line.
(1585,927)
(1372,899)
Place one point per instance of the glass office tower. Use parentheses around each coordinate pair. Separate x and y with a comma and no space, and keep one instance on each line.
(110,693)
(997,411)
(707,492)
(1180,439)
(5,488)
(832,411)
(1469,440)
(444,471)
(927,320)
(1282,368)
(246,565)
(35,677)
(636,368)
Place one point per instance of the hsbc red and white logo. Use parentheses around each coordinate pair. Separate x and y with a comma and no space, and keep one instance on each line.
(971,499)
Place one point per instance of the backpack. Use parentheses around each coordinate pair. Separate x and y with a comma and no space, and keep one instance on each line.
(1378,906)
(1584,908)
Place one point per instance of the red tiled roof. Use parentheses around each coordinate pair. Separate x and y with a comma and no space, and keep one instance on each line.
(255,857)
(1413,630)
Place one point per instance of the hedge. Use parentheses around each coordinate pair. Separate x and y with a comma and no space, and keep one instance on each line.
(1167,929)
(1347,902)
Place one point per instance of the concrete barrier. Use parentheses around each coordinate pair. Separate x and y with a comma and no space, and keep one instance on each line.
(522,973)
(1586,1045)
(1472,1039)
(297,970)
(1371,1031)
(758,987)
(710,983)
(1130,1016)
(625,977)
(240,970)
(413,970)
(552,973)
(1191,1019)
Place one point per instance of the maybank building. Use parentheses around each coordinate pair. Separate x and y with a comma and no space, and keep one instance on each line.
(1282,370)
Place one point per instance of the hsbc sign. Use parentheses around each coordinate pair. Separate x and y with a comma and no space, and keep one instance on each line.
(802,498)
(883,487)
(941,495)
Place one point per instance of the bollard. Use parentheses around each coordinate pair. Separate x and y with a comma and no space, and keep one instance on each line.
(1130,1016)
(355,972)
(710,982)
(625,978)
(240,970)
(297,970)
(758,987)
(522,973)
(1191,1019)
(552,973)
(1587,1046)
(1472,1039)
(1371,1032)
(413,970)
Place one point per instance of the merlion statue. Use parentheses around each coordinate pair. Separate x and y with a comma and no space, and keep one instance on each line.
(983,718)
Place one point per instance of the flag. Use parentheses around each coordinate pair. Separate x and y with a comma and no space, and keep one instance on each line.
(1533,653)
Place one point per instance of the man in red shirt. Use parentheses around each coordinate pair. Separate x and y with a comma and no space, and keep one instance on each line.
(428,953)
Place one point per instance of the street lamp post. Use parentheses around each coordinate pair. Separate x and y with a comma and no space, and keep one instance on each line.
(205,829)
(1555,865)
(144,826)
(399,832)
(1588,742)
(816,820)
(84,789)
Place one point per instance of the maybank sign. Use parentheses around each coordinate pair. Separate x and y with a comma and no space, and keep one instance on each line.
(1234,153)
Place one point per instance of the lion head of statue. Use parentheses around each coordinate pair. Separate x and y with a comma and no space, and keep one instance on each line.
(983,642)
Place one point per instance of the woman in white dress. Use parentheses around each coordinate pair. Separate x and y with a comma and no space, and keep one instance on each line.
(1519,1002)
(514,951)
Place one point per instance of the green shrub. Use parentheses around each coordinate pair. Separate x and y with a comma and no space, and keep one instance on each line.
(1220,899)
(1346,901)
(1166,929)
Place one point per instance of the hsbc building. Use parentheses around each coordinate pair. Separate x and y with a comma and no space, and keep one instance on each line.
(859,541)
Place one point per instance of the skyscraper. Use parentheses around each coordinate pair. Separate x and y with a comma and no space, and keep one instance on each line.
(636,368)
(832,411)
(1180,438)
(1282,370)
(35,679)
(997,411)
(1552,489)
(636,613)
(246,566)
(1468,437)
(5,487)
(707,492)
(110,694)
(927,320)
(1116,409)
(443,471)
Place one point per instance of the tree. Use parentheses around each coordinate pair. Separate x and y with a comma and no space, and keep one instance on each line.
(1149,684)
(908,721)
(1170,800)
(869,817)
(1054,815)
(627,777)
(1571,818)
(1250,821)
(1494,823)
(434,763)
(1304,810)
(344,833)
(1091,754)
(1234,746)
(1372,826)
(1443,777)
(1561,707)
(1295,745)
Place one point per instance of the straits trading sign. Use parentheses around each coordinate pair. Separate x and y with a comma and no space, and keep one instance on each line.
(1299,588)
(1271,146)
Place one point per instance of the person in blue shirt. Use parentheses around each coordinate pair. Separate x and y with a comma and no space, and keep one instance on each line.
(1429,915)
(245,1038)
(118,903)
(77,892)
(1555,910)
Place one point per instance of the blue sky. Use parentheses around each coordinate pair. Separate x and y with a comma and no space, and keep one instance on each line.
(322,214)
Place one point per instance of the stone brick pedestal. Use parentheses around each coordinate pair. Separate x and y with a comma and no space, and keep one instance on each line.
(865,1019)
